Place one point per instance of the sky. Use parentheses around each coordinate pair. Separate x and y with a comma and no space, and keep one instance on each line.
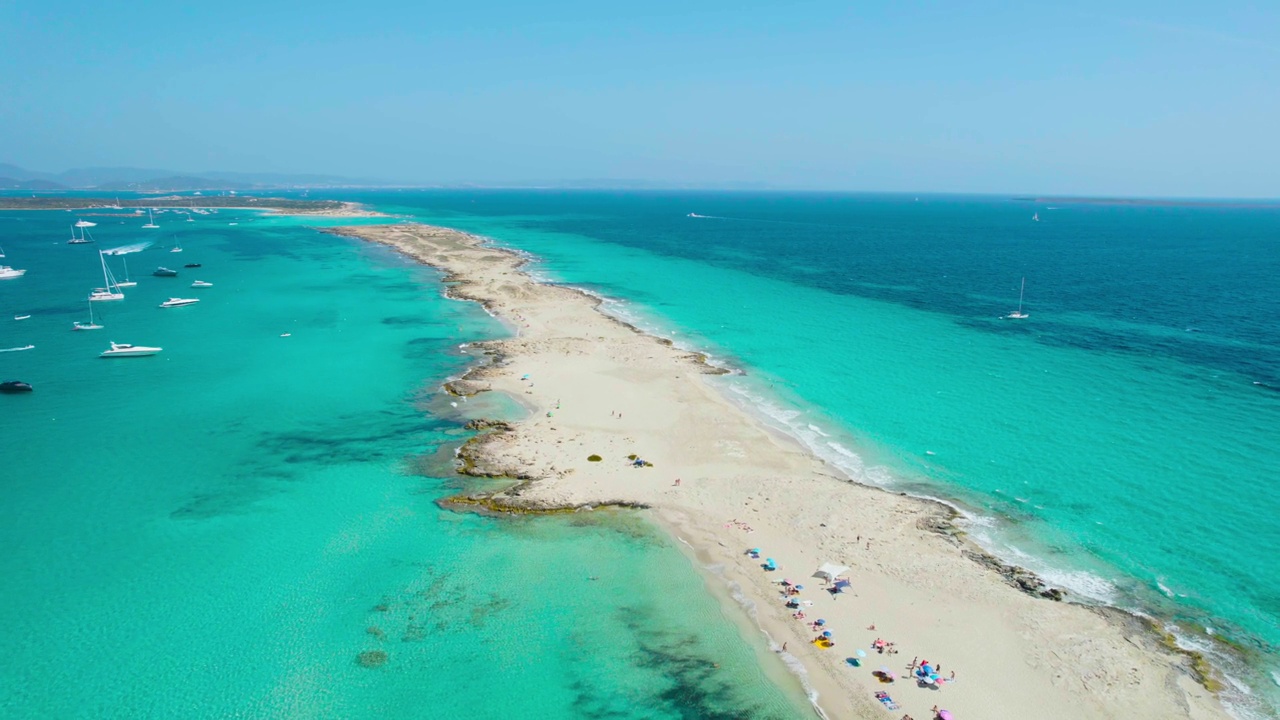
(1138,98)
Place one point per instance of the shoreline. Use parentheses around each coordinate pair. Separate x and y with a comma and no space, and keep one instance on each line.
(921,586)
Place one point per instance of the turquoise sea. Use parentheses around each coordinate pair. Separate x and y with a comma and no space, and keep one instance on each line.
(1124,440)
(229,528)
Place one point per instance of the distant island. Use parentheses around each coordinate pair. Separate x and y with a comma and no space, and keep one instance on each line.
(284,205)
(1153,202)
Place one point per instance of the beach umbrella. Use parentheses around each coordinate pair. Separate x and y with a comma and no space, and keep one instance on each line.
(944,715)
(826,634)
(862,653)
(820,621)
(799,587)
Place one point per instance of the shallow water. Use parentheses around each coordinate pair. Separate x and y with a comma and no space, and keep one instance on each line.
(1121,441)
(223,529)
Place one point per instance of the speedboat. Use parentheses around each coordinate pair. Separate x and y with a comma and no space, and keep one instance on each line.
(85,223)
(21,317)
(201,283)
(8,273)
(178,302)
(165,272)
(13,387)
(126,350)
(191,265)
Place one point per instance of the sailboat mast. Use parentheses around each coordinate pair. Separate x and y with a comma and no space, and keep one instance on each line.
(1020,292)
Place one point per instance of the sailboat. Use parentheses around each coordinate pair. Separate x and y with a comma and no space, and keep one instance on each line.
(84,238)
(91,325)
(177,246)
(1,252)
(127,282)
(1036,217)
(111,291)
(151,221)
(1018,314)
(189,218)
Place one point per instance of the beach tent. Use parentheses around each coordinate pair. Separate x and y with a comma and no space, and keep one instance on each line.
(842,584)
(831,571)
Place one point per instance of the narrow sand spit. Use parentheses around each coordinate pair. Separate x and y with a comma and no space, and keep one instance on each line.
(600,387)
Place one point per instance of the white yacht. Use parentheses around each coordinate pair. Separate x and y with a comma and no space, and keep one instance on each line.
(111,291)
(126,350)
(151,221)
(201,283)
(8,273)
(85,224)
(178,302)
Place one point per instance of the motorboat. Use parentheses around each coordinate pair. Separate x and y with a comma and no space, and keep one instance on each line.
(178,302)
(123,350)
(192,265)
(8,273)
(21,317)
(13,387)
(85,224)
(201,283)
(165,272)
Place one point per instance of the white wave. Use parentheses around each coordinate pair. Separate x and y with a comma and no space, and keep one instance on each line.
(818,430)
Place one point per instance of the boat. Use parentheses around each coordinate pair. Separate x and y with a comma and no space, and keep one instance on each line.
(13,387)
(178,302)
(122,350)
(84,238)
(8,273)
(189,218)
(201,283)
(91,325)
(1036,217)
(19,349)
(85,224)
(110,290)
(127,282)
(21,317)
(177,246)
(151,221)
(1018,314)
(1,252)
(191,265)
(165,272)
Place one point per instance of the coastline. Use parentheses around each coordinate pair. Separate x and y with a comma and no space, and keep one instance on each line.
(914,577)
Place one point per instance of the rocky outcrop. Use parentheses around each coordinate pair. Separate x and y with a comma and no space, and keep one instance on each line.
(1020,578)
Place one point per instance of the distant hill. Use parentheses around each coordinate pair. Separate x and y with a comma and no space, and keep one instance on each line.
(8,183)
(174,183)
(128,179)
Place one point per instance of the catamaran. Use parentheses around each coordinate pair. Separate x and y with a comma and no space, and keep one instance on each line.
(151,221)
(91,325)
(112,290)
(1018,314)
(84,238)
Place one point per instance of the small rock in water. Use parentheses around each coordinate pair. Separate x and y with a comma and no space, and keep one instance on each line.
(372,658)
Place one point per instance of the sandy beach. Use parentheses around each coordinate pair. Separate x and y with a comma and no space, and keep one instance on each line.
(722,483)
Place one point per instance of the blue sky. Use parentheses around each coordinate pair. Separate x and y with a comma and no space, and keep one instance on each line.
(1117,98)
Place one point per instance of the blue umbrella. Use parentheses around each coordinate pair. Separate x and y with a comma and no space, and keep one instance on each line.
(820,621)
(826,634)
(862,653)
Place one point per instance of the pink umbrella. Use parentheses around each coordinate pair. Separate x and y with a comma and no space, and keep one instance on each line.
(944,715)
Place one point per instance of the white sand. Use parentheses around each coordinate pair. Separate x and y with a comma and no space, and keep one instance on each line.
(1014,655)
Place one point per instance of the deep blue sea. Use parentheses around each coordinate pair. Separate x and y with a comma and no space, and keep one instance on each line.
(245,524)
(1123,440)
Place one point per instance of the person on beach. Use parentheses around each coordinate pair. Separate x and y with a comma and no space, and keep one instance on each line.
(677,482)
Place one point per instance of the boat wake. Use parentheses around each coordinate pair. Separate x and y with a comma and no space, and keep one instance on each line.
(18,349)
